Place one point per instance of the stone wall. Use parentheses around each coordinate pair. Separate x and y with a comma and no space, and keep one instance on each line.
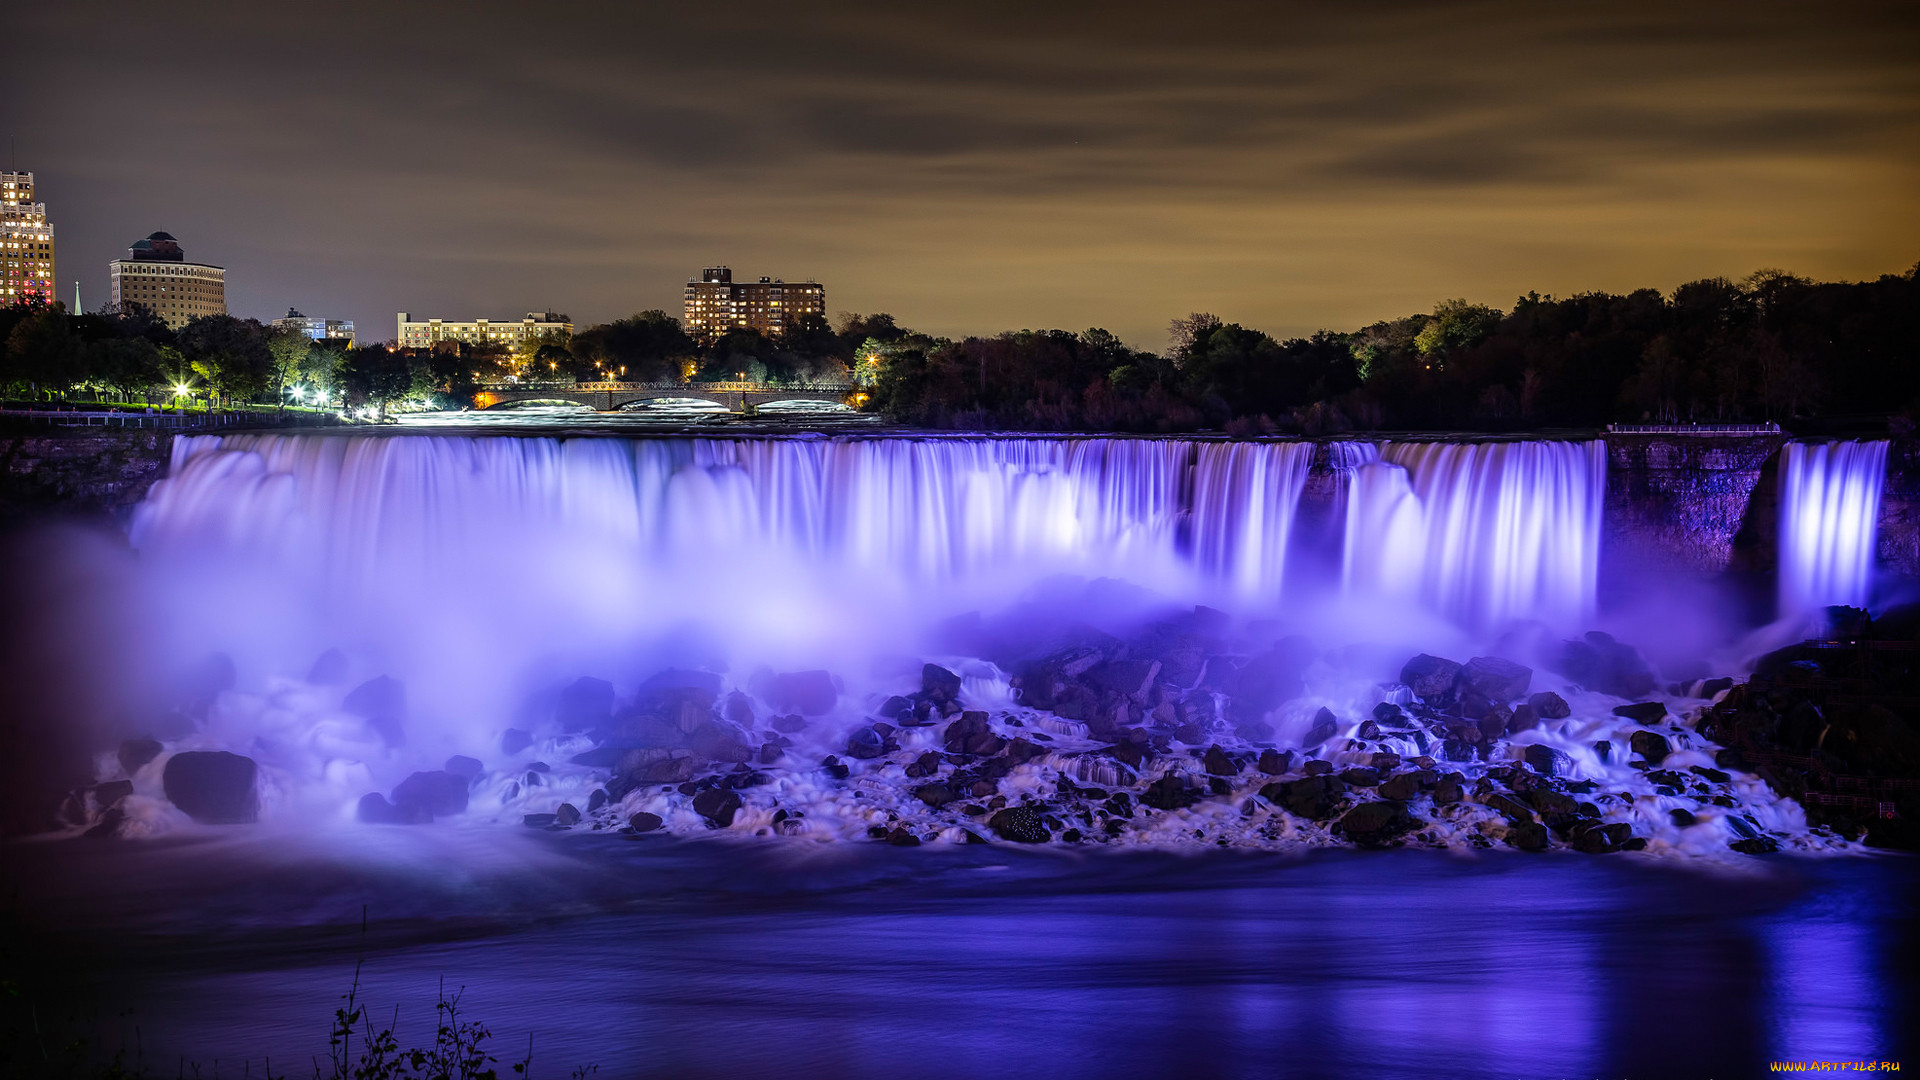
(68,472)
(1690,504)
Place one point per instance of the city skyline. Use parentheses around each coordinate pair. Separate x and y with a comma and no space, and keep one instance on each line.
(1286,168)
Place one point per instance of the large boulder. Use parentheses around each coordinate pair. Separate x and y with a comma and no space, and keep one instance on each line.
(720,740)
(438,793)
(1598,662)
(717,806)
(213,787)
(585,704)
(809,693)
(382,702)
(1644,712)
(1313,797)
(939,685)
(1650,745)
(1376,823)
(1020,824)
(1496,679)
(1430,677)
(971,734)
(374,809)
(1550,706)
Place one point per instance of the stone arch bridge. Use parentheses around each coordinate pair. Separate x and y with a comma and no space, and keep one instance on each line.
(739,397)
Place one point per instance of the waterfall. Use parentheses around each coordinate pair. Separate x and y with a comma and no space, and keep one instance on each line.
(1481,532)
(1829,511)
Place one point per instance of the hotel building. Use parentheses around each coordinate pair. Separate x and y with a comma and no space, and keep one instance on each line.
(157,276)
(26,243)
(716,304)
(426,333)
(317,329)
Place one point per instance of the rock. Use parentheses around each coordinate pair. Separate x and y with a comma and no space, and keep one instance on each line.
(1645,712)
(1217,762)
(1375,823)
(1275,762)
(938,684)
(1130,677)
(1020,824)
(791,724)
(596,800)
(585,704)
(934,795)
(720,740)
(374,809)
(537,821)
(1496,721)
(1448,790)
(382,702)
(1682,818)
(644,822)
(1457,749)
(1756,845)
(1313,797)
(1600,663)
(1495,678)
(107,794)
(108,826)
(1360,776)
(971,734)
(1430,677)
(1531,836)
(1325,726)
(1550,706)
(1171,792)
(213,787)
(656,765)
(902,838)
(513,740)
(1508,807)
(1604,751)
(329,670)
(738,710)
(1712,687)
(717,805)
(1388,713)
(1547,761)
(466,768)
(1522,718)
(437,794)
(867,742)
(1651,745)
(1401,788)
(1712,776)
(566,814)
(809,693)
(136,753)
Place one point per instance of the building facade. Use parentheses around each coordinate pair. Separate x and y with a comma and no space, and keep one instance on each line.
(538,325)
(26,243)
(716,304)
(157,276)
(317,329)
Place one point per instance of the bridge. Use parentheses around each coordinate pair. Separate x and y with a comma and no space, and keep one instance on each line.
(740,397)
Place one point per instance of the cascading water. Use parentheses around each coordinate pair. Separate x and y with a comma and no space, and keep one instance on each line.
(1829,511)
(1481,532)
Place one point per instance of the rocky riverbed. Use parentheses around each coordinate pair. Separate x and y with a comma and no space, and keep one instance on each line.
(1188,733)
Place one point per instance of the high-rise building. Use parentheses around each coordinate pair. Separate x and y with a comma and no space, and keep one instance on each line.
(157,276)
(716,304)
(26,243)
(426,333)
(315,328)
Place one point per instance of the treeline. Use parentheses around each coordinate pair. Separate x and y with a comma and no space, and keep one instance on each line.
(1770,347)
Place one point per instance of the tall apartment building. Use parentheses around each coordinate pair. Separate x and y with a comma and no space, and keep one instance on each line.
(426,333)
(26,243)
(316,328)
(716,304)
(157,276)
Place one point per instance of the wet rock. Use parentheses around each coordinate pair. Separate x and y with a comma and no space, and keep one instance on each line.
(1360,776)
(1132,678)
(1448,790)
(1457,749)
(1712,776)
(971,734)
(720,740)
(107,794)
(1681,818)
(1522,718)
(329,669)
(566,814)
(833,767)
(1598,662)
(1388,713)
(791,724)
(902,838)
(868,742)
(1171,792)
(1431,678)
(1020,824)
(1497,721)
(514,740)
(596,800)
(809,693)
(1547,761)
(1644,712)
(656,765)
(1713,687)
(1374,824)
(1217,763)
(537,821)
(466,768)
(1275,762)
(1401,788)
(1496,679)
(374,809)
(895,708)
(585,704)
(1550,706)
(1384,760)
(437,794)
(934,795)
(717,805)
(1314,797)
(1601,839)
(1756,845)
(1604,751)
(136,753)
(738,710)
(1508,807)
(1651,745)
(382,702)
(1530,836)
(644,822)
(213,787)
(108,826)
(1325,726)
(938,684)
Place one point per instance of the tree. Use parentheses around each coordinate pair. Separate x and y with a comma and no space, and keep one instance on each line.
(231,355)
(42,352)
(375,375)
(287,350)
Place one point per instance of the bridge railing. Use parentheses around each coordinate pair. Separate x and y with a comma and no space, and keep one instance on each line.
(1694,429)
(668,387)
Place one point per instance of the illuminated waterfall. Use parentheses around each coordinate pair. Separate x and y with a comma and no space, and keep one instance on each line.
(1481,532)
(1829,509)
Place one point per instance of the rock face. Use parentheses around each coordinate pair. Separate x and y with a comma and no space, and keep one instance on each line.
(1430,677)
(213,787)
(1496,679)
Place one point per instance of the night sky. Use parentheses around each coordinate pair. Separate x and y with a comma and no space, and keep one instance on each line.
(1021,165)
